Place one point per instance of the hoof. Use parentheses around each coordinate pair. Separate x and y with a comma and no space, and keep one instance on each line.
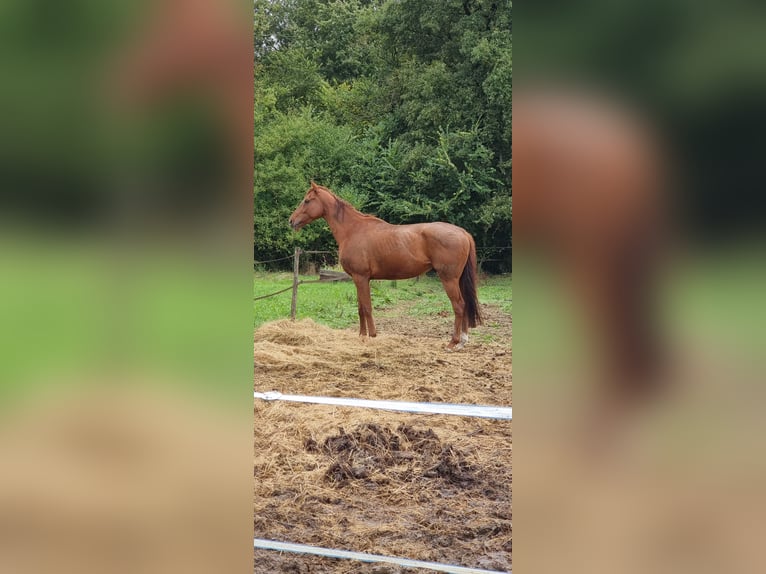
(457,345)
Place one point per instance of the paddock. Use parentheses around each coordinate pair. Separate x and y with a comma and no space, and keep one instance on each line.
(425,487)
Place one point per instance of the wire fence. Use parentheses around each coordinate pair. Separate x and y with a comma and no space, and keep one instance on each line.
(485,254)
(500,248)
(272,260)
(272,294)
(256,262)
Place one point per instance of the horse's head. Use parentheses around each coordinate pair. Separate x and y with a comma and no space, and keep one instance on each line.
(308,210)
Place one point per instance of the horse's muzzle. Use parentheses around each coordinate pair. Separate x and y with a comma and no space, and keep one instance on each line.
(296,225)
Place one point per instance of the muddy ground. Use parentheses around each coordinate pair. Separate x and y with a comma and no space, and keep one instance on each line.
(426,487)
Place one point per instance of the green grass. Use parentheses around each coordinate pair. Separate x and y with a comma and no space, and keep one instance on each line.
(334,304)
(75,312)
(497,290)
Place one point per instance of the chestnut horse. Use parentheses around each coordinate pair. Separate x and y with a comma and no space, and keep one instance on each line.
(370,248)
(588,182)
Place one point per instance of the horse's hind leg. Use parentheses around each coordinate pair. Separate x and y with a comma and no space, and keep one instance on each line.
(464,334)
(452,287)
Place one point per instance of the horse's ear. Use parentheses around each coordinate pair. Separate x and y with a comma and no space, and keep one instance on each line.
(313,184)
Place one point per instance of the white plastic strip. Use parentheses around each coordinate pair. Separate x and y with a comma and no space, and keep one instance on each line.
(364,557)
(484,411)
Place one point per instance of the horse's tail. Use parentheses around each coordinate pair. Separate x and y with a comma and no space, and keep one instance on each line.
(468,281)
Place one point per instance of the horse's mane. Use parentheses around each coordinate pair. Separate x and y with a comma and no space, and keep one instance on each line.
(341,205)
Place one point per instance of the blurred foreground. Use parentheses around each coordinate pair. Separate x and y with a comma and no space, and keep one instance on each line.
(639,278)
(125,296)
(127,479)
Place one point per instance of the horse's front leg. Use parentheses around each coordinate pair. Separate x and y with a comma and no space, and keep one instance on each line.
(364,302)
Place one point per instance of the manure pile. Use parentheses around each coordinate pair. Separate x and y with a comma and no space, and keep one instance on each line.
(427,487)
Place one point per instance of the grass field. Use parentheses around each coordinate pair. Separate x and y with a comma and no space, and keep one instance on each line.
(77,313)
(334,304)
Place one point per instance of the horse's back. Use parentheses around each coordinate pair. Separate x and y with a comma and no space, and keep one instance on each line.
(422,236)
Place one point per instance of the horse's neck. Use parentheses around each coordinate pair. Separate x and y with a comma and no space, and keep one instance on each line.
(343,229)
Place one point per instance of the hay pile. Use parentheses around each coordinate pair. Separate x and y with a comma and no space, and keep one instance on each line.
(427,487)
(303,357)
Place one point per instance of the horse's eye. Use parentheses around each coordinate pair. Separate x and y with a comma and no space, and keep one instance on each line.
(305,201)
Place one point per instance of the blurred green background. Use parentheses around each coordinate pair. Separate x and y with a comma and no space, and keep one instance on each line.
(117,245)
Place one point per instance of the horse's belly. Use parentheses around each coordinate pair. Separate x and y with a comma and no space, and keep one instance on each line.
(398,269)
(399,255)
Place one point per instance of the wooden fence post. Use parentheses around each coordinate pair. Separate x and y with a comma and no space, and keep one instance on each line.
(296,259)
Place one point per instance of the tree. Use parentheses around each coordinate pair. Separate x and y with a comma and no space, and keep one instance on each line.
(403,107)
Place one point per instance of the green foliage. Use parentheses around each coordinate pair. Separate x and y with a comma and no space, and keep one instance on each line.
(290,150)
(401,107)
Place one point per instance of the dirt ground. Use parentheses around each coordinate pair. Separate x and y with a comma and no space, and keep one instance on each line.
(426,487)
